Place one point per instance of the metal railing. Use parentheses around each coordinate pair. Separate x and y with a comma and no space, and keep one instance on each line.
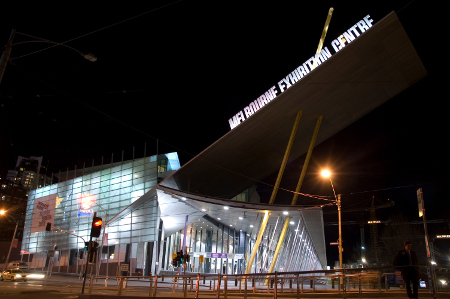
(291,284)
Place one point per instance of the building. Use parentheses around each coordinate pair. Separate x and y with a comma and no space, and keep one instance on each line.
(147,236)
(29,173)
(13,200)
(154,208)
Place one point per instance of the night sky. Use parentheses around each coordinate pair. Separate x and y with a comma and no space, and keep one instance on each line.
(177,71)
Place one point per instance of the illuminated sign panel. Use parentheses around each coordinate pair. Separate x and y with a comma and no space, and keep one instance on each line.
(296,75)
(85,206)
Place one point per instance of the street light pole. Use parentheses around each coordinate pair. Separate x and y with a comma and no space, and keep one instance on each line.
(340,238)
(12,241)
(5,55)
(7,50)
(327,174)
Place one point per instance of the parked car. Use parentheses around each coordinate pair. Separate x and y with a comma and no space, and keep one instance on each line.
(13,274)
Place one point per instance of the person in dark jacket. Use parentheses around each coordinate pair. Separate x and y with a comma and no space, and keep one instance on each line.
(406,262)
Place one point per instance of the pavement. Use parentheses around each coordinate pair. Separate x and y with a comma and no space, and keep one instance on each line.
(72,284)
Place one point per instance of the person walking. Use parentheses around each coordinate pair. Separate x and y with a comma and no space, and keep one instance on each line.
(406,261)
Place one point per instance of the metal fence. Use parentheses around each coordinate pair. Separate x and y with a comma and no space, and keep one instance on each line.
(289,284)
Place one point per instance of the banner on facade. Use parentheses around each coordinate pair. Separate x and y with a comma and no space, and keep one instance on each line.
(43,212)
(85,205)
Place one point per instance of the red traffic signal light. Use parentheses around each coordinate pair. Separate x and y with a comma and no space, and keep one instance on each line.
(96,227)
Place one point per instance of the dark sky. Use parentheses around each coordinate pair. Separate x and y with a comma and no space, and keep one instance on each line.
(177,71)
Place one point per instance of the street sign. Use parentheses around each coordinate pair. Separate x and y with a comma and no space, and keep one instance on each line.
(124,267)
(200,259)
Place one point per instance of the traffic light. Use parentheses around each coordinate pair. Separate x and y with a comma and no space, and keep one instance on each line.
(86,246)
(96,227)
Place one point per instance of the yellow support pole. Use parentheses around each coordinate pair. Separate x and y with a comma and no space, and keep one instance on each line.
(286,156)
(308,157)
(275,190)
(277,250)
(325,29)
(258,241)
(299,184)
(324,32)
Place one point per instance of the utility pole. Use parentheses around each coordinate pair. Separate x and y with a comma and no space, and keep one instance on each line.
(88,257)
(6,53)
(430,268)
(340,240)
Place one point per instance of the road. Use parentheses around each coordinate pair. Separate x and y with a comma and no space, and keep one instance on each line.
(60,286)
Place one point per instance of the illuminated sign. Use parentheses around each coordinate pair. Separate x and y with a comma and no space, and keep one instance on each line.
(443,236)
(85,206)
(297,74)
(373,221)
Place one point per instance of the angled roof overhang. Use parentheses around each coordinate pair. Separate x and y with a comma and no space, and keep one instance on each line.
(372,69)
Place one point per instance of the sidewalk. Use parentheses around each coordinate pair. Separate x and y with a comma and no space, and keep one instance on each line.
(141,288)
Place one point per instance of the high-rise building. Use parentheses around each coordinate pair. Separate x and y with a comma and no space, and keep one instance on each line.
(29,173)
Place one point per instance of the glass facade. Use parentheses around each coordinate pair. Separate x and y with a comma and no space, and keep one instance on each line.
(141,232)
(226,250)
(107,192)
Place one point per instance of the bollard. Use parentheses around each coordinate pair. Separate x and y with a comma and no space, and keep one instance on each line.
(235,282)
(197,285)
(150,292)
(359,284)
(173,285)
(298,293)
(91,282)
(290,283)
(156,286)
(225,286)
(119,291)
(162,278)
(218,286)
(254,287)
(379,282)
(275,286)
(245,287)
(332,282)
(310,282)
(192,282)
(106,282)
(210,284)
(204,277)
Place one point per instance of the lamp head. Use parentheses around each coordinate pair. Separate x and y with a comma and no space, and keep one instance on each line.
(2,212)
(325,173)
